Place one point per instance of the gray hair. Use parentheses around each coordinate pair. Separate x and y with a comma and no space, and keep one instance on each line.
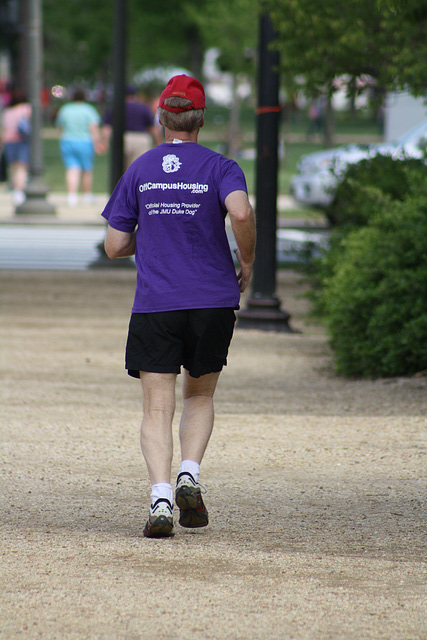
(184,121)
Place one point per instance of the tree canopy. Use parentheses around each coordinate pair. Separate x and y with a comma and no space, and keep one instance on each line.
(318,39)
(322,39)
(406,24)
(231,27)
(80,46)
(159,33)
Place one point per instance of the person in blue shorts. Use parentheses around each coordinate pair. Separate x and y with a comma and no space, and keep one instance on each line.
(80,138)
(169,210)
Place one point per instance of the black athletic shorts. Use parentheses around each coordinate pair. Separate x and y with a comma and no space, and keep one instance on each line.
(197,339)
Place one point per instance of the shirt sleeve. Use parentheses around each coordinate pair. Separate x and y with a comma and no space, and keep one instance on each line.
(121,211)
(232,179)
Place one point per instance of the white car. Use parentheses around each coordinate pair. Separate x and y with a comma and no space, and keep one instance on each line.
(320,173)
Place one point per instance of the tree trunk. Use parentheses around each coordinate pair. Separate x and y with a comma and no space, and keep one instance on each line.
(329,123)
(233,143)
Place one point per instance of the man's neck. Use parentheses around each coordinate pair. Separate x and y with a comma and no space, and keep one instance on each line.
(182,136)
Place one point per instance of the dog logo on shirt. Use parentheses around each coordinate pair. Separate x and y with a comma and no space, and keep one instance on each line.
(171,163)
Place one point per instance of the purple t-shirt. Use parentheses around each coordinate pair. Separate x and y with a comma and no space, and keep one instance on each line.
(173,196)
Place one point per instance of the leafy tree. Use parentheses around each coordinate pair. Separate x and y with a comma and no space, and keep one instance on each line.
(406,22)
(317,40)
(164,33)
(232,28)
(320,40)
(81,46)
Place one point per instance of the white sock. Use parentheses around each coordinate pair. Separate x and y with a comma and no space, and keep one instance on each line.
(161,490)
(191,467)
(18,197)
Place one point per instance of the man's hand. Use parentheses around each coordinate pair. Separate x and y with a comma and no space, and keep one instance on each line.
(245,272)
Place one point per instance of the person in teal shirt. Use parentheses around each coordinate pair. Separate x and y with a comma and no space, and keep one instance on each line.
(80,137)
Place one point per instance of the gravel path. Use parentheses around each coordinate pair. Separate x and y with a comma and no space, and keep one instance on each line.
(316,485)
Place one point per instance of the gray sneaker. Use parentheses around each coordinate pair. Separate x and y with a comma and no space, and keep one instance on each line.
(188,496)
(160,520)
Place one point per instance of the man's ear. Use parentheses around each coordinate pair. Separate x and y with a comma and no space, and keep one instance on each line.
(203,122)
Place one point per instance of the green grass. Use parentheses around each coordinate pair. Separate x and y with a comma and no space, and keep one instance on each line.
(54,172)
(214,135)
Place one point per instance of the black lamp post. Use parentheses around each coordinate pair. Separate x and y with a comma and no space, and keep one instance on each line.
(118,121)
(264,308)
(36,190)
(119,90)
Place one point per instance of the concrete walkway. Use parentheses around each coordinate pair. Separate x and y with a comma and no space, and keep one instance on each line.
(315,485)
(82,214)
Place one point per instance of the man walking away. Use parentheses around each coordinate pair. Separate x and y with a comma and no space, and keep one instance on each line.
(169,211)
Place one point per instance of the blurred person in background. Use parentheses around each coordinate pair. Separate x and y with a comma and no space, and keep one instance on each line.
(80,137)
(15,138)
(316,115)
(141,130)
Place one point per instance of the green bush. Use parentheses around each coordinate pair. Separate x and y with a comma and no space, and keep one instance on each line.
(367,182)
(370,286)
(375,295)
(366,190)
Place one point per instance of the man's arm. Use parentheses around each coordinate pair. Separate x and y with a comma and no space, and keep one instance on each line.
(242,219)
(119,244)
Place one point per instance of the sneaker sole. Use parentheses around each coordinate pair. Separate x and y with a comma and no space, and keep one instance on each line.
(186,498)
(191,516)
(160,528)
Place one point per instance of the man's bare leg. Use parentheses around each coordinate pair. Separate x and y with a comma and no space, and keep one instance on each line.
(194,433)
(197,418)
(157,447)
(156,429)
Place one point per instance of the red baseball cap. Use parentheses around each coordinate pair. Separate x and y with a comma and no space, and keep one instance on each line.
(183,87)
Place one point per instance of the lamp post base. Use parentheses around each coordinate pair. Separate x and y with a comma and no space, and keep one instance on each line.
(264,314)
(35,202)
